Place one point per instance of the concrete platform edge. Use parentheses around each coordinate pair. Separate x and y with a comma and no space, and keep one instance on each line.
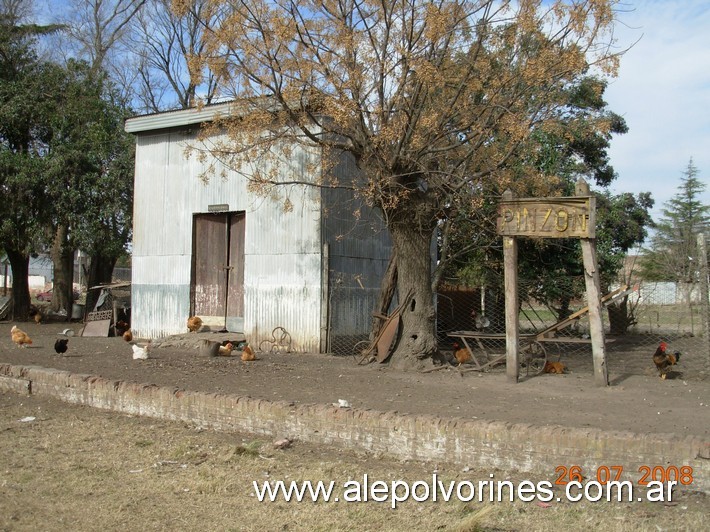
(478,444)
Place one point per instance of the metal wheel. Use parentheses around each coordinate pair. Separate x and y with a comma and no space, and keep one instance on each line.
(533,359)
(362,352)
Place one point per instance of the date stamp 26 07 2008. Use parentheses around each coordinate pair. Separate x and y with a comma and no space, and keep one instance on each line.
(659,482)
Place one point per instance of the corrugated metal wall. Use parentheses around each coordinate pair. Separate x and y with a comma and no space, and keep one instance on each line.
(282,249)
(359,251)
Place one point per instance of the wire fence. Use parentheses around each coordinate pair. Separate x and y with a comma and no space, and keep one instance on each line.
(635,319)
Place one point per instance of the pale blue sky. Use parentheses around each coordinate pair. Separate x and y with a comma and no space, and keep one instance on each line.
(663,92)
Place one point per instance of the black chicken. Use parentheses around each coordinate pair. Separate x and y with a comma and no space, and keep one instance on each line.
(60,346)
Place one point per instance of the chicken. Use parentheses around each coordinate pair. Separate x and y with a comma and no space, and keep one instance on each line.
(226,349)
(247,354)
(121,327)
(128,336)
(663,360)
(38,317)
(461,354)
(141,353)
(194,323)
(555,367)
(60,346)
(20,337)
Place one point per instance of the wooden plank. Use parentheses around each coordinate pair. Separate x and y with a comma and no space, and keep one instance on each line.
(324,300)
(235,278)
(97,328)
(571,340)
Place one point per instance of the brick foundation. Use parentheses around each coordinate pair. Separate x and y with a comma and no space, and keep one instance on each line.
(474,443)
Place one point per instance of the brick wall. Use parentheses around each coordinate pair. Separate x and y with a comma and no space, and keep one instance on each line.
(477,444)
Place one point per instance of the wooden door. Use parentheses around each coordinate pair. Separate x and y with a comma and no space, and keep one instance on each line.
(235,273)
(218,270)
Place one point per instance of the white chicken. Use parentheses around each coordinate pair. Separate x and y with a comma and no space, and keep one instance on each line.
(141,353)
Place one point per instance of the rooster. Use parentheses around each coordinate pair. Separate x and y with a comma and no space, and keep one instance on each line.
(20,337)
(194,323)
(247,354)
(121,327)
(461,354)
(60,346)
(663,360)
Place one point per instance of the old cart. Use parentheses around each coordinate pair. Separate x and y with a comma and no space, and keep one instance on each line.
(533,355)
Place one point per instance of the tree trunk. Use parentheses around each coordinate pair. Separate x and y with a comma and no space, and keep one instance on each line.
(563,312)
(417,338)
(619,318)
(20,265)
(63,282)
(100,272)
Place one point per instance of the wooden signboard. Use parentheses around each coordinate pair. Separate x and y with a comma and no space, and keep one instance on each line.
(569,217)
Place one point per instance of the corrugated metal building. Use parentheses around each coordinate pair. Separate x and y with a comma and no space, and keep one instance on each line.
(238,259)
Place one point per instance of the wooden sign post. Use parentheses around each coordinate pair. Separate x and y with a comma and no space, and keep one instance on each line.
(510,283)
(594,295)
(569,217)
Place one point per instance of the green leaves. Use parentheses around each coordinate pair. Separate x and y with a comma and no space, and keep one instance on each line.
(673,253)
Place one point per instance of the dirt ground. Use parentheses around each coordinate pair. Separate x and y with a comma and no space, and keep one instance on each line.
(70,467)
(637,400)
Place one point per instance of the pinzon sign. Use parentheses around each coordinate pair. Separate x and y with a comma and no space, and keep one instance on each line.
(567,217)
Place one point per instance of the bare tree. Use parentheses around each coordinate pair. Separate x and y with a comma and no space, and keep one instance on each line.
(433,100)
(166,45)
(16,10)
(96,27)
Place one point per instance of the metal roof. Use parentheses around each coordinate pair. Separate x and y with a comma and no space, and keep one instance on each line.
(179,118)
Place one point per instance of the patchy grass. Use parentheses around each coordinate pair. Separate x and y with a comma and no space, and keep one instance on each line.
(76,468)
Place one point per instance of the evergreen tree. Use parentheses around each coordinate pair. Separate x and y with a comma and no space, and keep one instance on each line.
(673,254)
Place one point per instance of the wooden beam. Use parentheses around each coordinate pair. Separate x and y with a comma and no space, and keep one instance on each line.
(510,267)
(594,296)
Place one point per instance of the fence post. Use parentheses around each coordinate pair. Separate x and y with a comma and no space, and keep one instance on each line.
(510,266)
(325,301)
(591,279)
(704,297)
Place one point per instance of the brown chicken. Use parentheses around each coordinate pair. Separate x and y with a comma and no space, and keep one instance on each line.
(663,360)
(247,354)
(226,349)
(461,354)
(38,317)
(121,327)
(555,367)
(194,323)
(20,337)
(128,336)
